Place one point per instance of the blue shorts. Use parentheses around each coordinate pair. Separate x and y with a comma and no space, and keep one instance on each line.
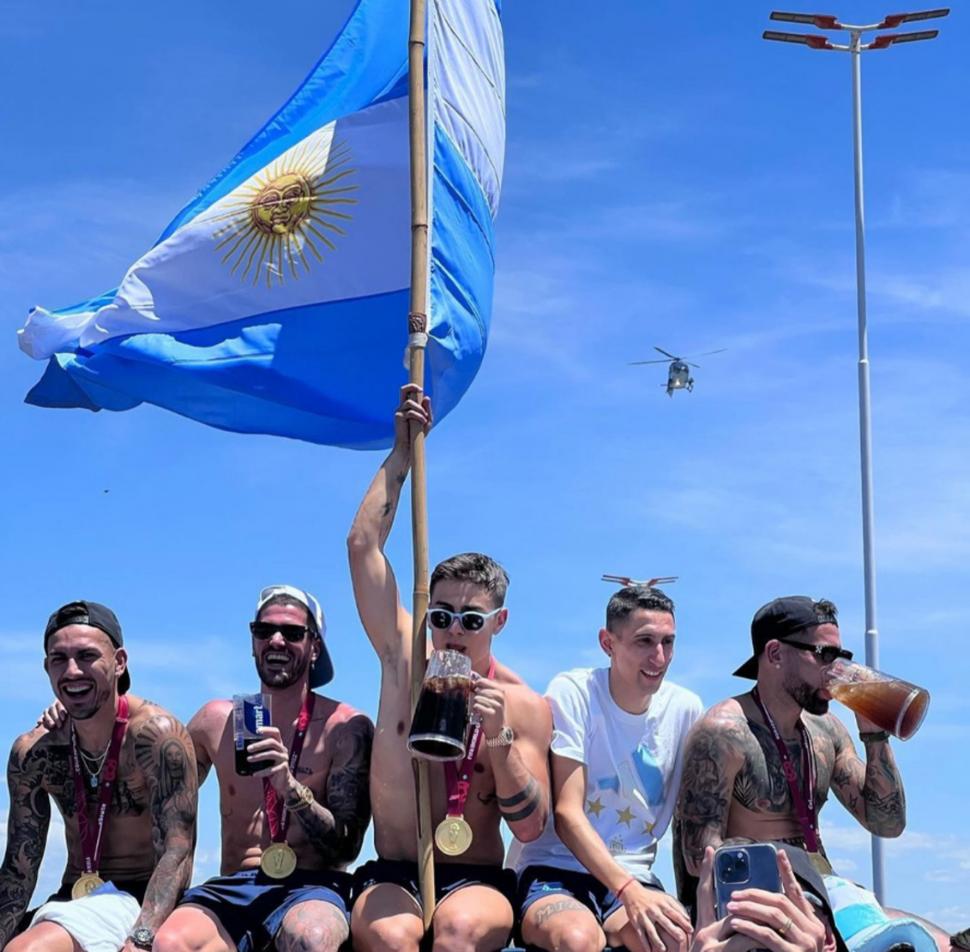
(251,906)
(448,878)
(537,882)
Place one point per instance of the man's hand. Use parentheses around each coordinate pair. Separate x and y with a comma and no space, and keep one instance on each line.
(756,919)
(488,705)
(52,717)
(271,748)
(414,407)
(651,910)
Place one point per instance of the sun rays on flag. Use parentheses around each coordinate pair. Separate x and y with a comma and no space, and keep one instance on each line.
(288,216)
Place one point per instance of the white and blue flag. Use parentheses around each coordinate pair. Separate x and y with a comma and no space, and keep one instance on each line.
(277,300)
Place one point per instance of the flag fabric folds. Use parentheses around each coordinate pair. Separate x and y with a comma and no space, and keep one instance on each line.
(276,301)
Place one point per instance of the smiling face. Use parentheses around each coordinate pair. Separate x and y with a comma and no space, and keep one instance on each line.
(84,666)
(462,596)
(640,647)
(279,662)
(802,673)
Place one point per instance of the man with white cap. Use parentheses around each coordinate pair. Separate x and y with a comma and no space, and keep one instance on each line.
(307,810)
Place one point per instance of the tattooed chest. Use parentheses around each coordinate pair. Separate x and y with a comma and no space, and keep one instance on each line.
(129,796)
(762,785)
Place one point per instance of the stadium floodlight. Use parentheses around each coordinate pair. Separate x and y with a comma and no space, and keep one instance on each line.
(895,19)
(822,21)
(856,47)
(813,40)
(888,39)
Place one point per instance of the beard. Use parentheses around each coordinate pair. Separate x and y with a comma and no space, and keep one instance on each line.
(808,698)
(273,677)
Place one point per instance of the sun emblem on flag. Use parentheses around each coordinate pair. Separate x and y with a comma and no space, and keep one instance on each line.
(290,214)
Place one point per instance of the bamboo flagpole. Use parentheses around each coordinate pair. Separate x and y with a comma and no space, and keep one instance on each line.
(417,340)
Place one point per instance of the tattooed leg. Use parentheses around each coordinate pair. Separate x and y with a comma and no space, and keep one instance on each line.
(312,926)
(559,922)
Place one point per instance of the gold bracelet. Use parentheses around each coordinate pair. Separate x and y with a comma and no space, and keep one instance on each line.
(304,799)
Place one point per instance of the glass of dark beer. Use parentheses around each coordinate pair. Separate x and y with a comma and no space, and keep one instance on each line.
(441,716)
(893,704)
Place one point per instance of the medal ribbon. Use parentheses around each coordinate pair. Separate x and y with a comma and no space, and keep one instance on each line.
(458,778)
(91,837)
(276,815)
(804,802)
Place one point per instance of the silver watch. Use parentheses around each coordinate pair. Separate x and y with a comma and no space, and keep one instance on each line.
(143,938)
(503,738)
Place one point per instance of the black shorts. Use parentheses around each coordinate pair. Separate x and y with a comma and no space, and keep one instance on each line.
(537,882)
(448,878)
(251,905)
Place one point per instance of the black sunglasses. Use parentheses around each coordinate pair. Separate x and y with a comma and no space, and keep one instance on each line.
(264,630)
(442,619)
(825,653)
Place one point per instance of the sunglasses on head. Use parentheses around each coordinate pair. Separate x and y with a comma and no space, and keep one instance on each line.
(824,653)
(442,619)
(264,630)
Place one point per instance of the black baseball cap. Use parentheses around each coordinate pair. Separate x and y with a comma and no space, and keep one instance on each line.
(780,619)
(97,616)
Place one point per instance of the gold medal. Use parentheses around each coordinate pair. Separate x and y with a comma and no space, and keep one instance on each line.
(453,835)
(820,862)
(278,861)
(85,885)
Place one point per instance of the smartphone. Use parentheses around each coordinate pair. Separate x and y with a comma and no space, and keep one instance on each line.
(753,866)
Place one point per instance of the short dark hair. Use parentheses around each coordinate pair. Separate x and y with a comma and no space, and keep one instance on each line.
(631,597)
(284,599)
(477,568)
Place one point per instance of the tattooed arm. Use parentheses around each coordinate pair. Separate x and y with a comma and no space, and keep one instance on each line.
(165,754)
(872,791)
(521,770)
(337,829)
(712,760)
(27,822)
(386,621)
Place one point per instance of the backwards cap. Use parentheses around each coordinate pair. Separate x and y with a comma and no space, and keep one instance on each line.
(322,671)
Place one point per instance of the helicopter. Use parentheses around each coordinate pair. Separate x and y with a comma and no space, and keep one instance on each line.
(678,375)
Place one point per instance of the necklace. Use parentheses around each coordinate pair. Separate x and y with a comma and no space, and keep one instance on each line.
(94,764)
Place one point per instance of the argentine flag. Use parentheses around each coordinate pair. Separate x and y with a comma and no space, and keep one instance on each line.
(277,300)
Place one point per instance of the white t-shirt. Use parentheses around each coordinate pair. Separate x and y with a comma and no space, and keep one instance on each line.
(633,767)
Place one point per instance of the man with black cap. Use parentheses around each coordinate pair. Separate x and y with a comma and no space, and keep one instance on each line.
(761,765)
(121,771)
(758,767)
(289,829)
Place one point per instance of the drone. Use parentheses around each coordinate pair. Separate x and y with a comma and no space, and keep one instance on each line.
(678,375)
(625,580)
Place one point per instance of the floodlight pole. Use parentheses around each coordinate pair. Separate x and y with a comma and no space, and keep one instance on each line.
(865,416)
(855,48)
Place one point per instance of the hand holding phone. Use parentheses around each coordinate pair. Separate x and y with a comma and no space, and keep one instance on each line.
(751,866)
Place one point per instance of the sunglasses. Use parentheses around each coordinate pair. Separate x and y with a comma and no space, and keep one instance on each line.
(264,630)
(442,619)
(824,653)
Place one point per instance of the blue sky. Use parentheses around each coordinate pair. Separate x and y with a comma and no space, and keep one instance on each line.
(671,179)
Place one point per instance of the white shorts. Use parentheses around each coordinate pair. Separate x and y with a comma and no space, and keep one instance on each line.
(99,922)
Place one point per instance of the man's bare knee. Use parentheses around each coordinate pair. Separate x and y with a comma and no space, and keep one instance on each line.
(192,929)
(312,926)
(388,934)
(465,927)
(43,937)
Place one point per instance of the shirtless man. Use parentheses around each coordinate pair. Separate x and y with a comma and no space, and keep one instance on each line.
(734,784)
(111,747)
(321,800)
(510,776)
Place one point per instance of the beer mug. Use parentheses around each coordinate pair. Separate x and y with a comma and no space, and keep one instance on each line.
(441,716)
(891,703)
